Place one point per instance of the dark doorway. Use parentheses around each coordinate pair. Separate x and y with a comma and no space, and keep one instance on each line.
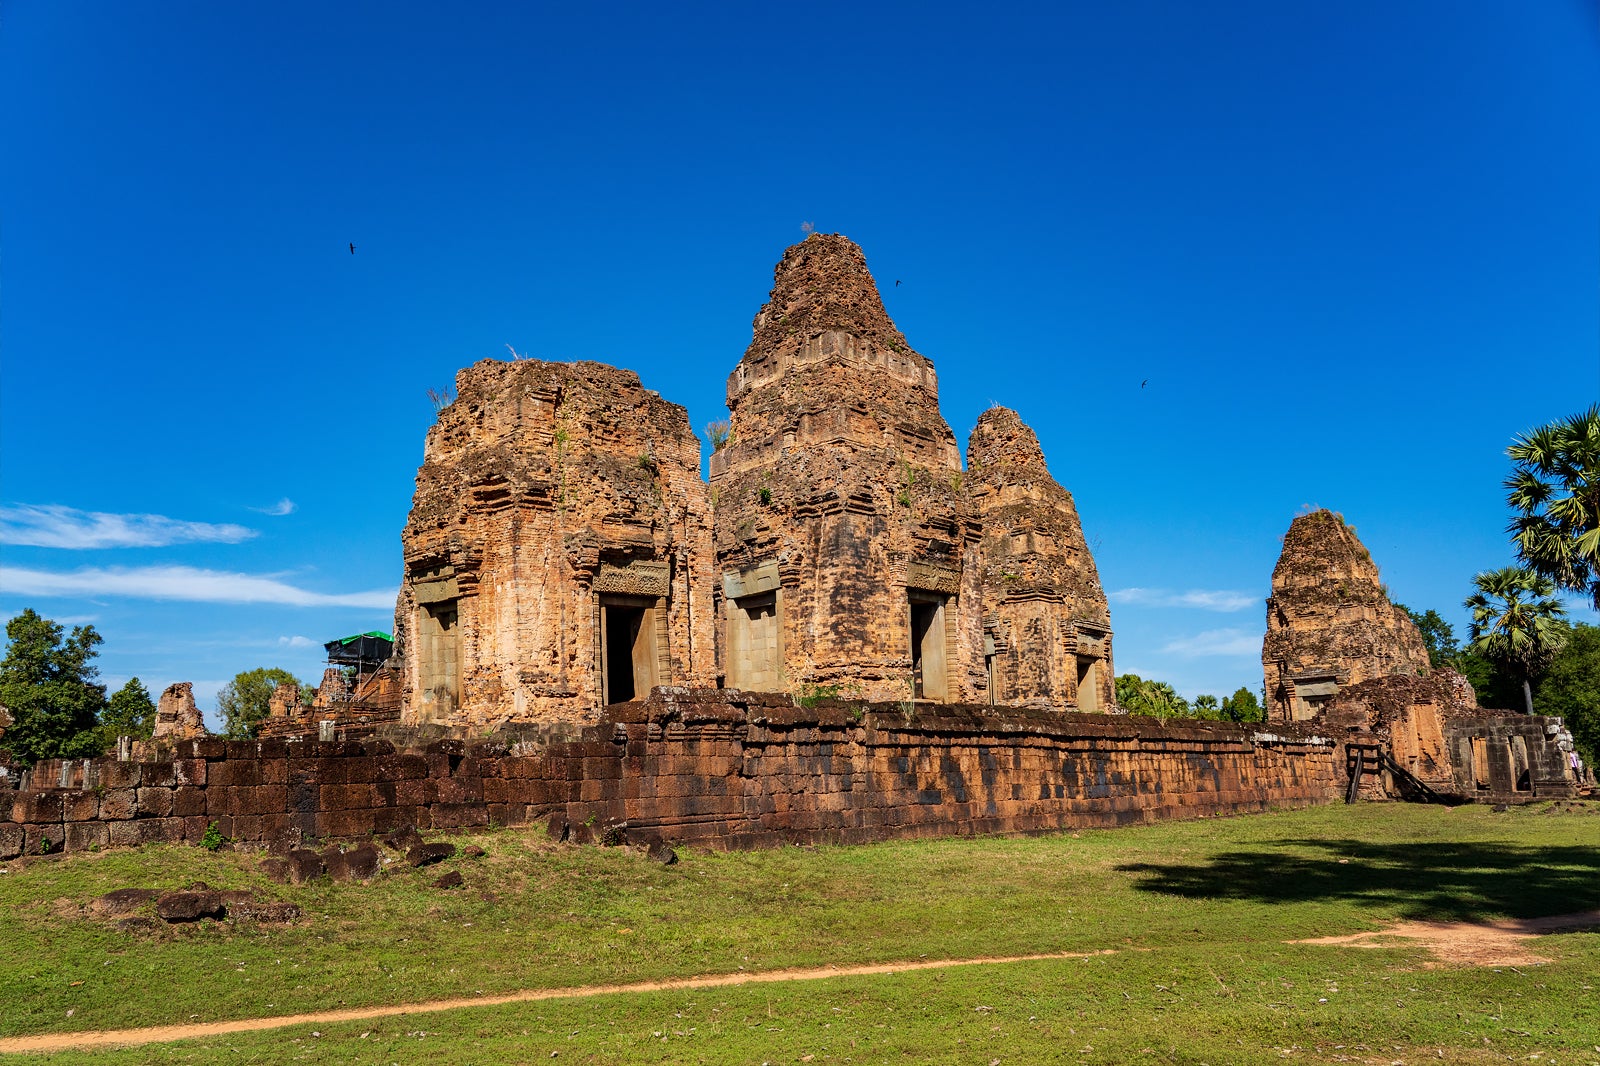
(622,625)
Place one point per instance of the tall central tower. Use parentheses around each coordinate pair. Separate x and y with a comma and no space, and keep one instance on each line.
(846,554)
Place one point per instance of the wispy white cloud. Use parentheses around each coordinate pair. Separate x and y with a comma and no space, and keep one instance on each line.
(1215,642)
(184,583)
(1223,600)
(297,642)
(277,510)
(54,526)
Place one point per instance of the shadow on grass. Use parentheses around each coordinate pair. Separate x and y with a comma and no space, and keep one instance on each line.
(1446,882)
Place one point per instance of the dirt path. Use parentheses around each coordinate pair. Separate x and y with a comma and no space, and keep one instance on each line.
(1452,943)
(158,1034)
(1472,943)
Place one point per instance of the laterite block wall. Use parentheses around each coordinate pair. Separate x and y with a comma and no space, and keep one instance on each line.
(716,768)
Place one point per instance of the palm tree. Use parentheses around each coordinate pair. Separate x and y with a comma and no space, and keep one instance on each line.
(1555,490)
(1162,700)
(1516,623)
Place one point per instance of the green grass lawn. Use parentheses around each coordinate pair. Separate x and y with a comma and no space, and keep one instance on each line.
(1197,912)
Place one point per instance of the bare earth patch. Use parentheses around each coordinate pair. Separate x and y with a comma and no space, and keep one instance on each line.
(159,1034)
(1503,943)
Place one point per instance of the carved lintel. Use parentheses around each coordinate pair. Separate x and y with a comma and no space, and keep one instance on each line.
(1089,638)
(635,579)
(933,577)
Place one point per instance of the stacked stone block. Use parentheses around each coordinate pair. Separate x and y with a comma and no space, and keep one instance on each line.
(718,769)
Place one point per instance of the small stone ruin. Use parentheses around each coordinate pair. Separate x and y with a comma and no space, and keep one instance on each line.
(177,717)
(1339,655)
(1329,620)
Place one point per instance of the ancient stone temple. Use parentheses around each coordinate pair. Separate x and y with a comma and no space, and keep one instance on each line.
(563,553)
(1047,628)
(846,552)
(558,552)
(1329,621)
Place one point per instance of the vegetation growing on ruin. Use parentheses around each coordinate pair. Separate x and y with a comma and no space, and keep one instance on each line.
(1195,917)
(720,433)
(809,695)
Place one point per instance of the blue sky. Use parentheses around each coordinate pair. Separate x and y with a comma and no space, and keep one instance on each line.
(1354,248)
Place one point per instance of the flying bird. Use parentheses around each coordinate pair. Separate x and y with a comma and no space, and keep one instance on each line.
(1143,383)
(352,248)
(897,283)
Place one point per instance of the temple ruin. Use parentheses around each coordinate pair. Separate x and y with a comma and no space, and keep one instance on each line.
(845,546)
(1339,656)
(558,553)
(846,635)
(177,717)
(1047,627)
(1329,621)
(563,553)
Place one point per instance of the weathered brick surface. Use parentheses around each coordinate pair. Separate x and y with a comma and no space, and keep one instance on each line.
(177,717)
(722,769)
(544,489)
(839,497)
(1046,617)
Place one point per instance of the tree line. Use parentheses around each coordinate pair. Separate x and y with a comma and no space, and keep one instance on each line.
(1137,695)
(1522,651)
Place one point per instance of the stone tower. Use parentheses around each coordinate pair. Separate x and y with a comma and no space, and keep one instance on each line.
(1329,621)
(1047,626)
(845,554)
(558,552)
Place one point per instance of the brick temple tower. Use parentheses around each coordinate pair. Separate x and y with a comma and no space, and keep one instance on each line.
(1047,626)
(558,552)
(845,552)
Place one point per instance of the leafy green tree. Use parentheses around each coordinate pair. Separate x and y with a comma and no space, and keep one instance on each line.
(1555,491)
(47,685)
(1207,707)
(1437,634)
(1516,623)
(1571,689)
(1242,706)
(243,701)
(1494,685)
(129,714)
